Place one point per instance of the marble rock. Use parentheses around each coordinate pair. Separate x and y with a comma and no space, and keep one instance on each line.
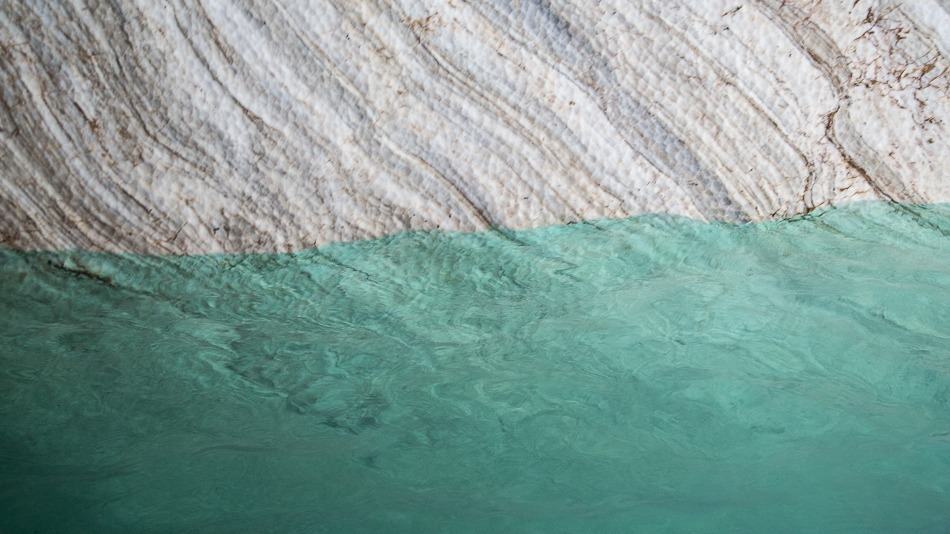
(200,126)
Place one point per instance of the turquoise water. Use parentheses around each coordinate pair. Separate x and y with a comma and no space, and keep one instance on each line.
(654,374)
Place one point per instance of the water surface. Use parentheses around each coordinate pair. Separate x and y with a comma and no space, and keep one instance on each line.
(649,374)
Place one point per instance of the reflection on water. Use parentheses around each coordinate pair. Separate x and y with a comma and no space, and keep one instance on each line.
(654,373)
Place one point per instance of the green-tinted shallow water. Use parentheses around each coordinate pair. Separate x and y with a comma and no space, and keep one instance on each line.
(652,374)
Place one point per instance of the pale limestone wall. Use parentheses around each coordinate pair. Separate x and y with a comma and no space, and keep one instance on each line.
(192,126)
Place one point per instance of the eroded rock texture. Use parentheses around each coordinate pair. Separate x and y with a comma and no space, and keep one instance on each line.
(188,126)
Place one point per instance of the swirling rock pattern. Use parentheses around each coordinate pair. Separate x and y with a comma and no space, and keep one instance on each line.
(190,126)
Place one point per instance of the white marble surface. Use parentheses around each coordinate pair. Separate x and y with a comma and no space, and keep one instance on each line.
(191,126)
